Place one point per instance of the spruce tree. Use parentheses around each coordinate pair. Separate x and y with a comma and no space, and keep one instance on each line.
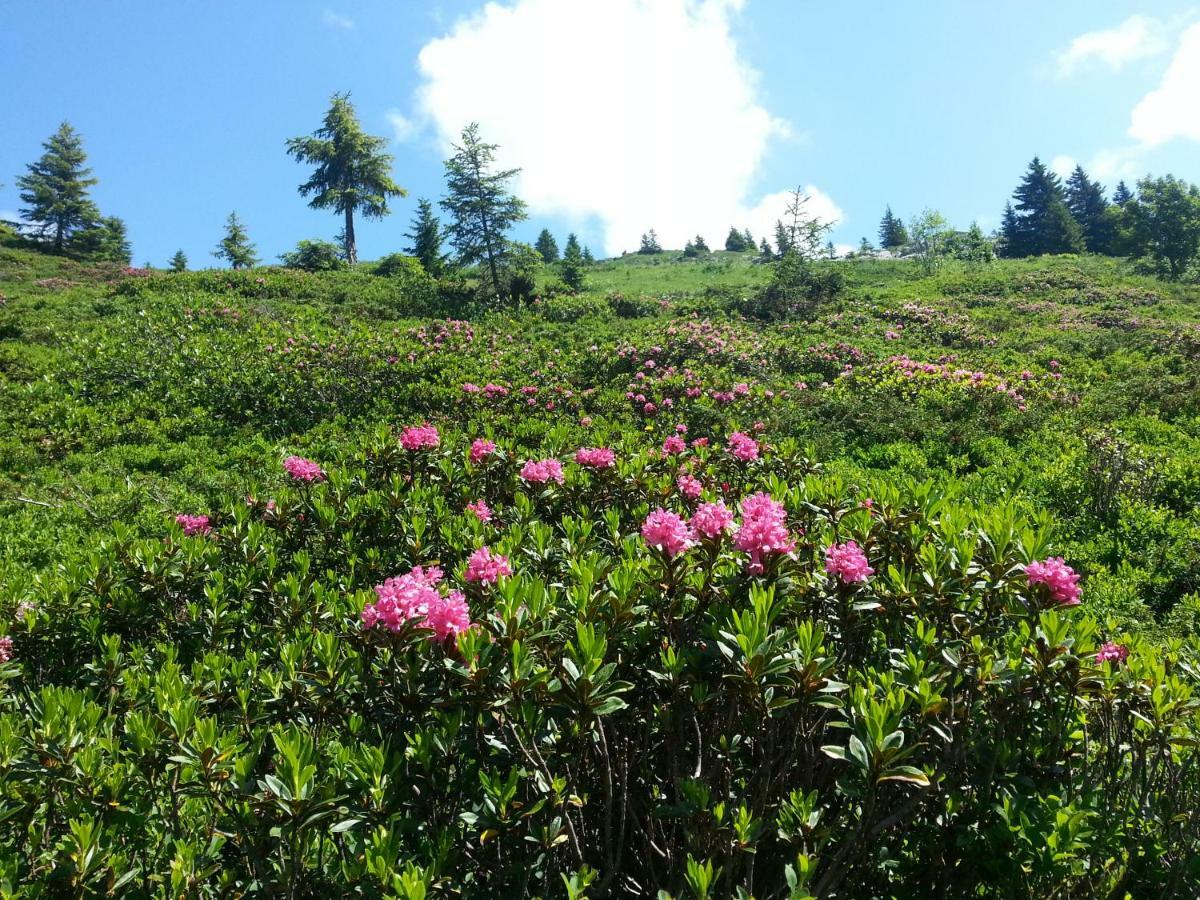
(1088,205)
(892,233)
(571,268)
(783,240)
(588,259)
(426,238)
(235,248)
(179,262)
(55,189)
(748,238)
(353,173)
(1122,194)
(1012,238)
(1042,223)
(481,207)
(650,243)
(547,246)
(735,241)
(105,240)
(764,250)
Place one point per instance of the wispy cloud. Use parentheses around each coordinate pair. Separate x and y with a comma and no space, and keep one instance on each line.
(1062,165)
(1138,37)
(336,20)
(631,114)
(403,128)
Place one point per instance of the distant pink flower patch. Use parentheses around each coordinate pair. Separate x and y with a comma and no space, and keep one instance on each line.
(1061,579)
(690,486)
(415,597)
(302,469)
(712,520)
(666,532)
(542,471)
(596,457)
(763,532)
(480,450)
(674,445)
(469,388)
(193,525)
(485,567)
(1114,653)
(848,562)
(481,511)
(6,648)
(742,447)
(420,437)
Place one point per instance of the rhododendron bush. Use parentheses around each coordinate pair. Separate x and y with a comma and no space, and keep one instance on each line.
(853,690)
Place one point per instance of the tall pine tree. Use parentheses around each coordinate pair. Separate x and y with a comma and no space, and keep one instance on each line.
(546,246)
(235,248)
(55,189)
(1122,194)
(1041,222)
(650,243)
(892,233)
(105,240)
(179,262)
(426,237)
(481,207)
(1088,205)
(735,241)
(571,268)
(353,173)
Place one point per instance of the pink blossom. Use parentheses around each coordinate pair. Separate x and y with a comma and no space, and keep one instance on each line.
(585,421)
(712,520)
(480,450)
(763,531)
(419,437)
(405,598)
(481,510)
(667,532)
(469,388)
(484,567)
(690,486)
(1061,579)
(1111,652)
(681,428)
(542,471)
(742,447)
(674,444)
(6,649)
(193,525)
(595,457)
(848,562)
(302,469)
(449,618)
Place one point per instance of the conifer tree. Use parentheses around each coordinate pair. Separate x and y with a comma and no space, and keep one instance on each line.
(1041,222)
(55,189)
(353,173)
(783,241)
(588,259)
(764,249)
(105,240)
(650,243)
(179,262)
(1122,194)
(1087,203)
(571,268)
(892,233)
(547,246)
(235,248)
(735,241)
(426,238)
(481,207)
(748,238)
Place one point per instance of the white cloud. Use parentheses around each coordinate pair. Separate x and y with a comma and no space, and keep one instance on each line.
(1062,165)
(403,127)
(1118,163)
(632,113)
(1172,110)
(1136,38)
(336,20)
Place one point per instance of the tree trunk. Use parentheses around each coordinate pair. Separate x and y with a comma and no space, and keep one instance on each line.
(351,248)
(58,236)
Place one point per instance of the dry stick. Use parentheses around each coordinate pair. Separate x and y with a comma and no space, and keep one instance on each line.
(38,502)
(535,759)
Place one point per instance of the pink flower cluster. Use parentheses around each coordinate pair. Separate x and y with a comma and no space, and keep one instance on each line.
(193,525)
(763,532)
(542,471)
(1061,579)
(419,437)
(595,457)
(742,447)
(485,567)
(848,562)
(6,648)
(711,521)
(481,449)
(415,597)
(674,445)
(690,486)
(481,510)
(665,531)
(302,469)
(1110,652)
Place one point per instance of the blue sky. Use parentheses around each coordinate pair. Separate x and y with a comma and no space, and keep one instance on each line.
(683,115)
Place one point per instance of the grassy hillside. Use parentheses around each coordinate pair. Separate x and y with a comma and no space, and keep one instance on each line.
(628,702)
